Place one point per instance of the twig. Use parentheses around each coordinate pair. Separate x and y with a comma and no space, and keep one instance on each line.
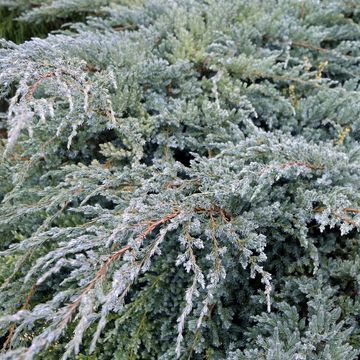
(215,209)
(341,217)
(125,27)
(303,164)
(352,210)
(294,163)
(112,258)
(37,83)
(24,307)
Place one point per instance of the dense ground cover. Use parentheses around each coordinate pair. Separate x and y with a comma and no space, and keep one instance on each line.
(180,179)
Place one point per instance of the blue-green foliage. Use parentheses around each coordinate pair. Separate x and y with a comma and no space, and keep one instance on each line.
(180,179)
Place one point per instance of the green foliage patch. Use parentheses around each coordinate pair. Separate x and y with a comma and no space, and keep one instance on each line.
(180,179)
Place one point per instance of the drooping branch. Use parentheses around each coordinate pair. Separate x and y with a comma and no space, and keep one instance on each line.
(114,257)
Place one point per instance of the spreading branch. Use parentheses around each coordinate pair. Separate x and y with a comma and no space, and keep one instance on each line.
(100,274)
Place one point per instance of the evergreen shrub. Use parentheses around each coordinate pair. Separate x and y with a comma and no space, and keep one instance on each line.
(180,180)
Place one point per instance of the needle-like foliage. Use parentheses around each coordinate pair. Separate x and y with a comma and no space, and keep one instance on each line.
(181,179)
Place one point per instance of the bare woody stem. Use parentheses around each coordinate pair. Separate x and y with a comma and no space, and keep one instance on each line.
(112,258)
(25,306)
(116,255)
(37,83)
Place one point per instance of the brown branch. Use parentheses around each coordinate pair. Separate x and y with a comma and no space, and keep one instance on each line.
(345,219)
(352,210)
(215,209)
(294,163)
(113,257)
(125,27)
(319,209)
(303,164)
(37,83)
(98,276)
(91,68)
(302,10)
(341,217)
(348,210)
(309,46)
(25,306)
(317,48)
(3,133)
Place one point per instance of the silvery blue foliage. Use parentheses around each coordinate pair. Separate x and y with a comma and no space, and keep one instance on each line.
(180,179)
